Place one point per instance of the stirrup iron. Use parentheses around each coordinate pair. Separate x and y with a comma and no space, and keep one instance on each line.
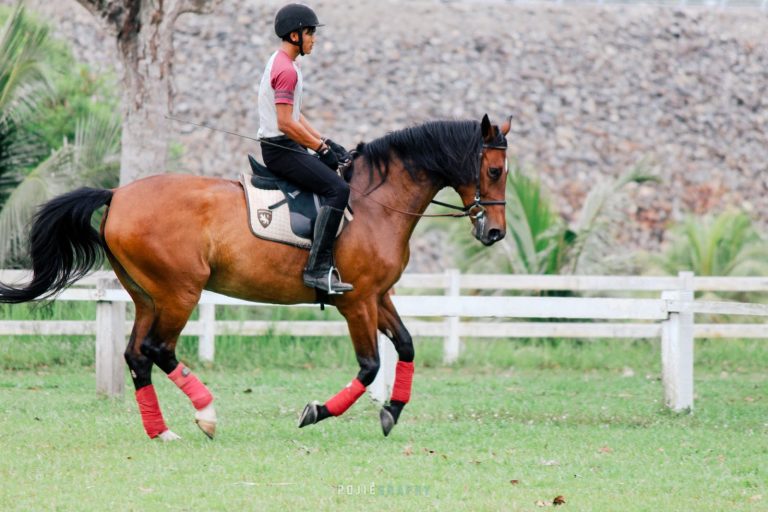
(331,271)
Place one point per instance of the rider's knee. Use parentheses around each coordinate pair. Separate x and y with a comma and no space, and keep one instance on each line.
(340,195)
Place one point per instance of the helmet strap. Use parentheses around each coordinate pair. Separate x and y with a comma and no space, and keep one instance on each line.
(300,42)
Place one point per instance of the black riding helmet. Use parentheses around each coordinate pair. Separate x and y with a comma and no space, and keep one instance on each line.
(295,18)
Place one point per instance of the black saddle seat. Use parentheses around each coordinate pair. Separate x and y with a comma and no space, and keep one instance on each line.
(262,177)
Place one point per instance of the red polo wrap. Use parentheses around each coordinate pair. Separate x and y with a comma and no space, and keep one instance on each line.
(401,392)
(191,386)
(345,398)
(149,407)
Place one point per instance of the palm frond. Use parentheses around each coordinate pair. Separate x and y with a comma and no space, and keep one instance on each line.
(49,179)
(598,214)
(724,245)
(91,161)
(24,78)
(97,157)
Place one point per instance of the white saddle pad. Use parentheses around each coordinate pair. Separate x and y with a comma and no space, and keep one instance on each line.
(274,224)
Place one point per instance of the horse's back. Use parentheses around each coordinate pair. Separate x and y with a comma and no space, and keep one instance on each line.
(190,229)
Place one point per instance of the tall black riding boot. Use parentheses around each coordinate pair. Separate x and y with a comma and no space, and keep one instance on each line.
(319,272)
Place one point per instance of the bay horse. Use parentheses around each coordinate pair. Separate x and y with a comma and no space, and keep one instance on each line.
(169,237)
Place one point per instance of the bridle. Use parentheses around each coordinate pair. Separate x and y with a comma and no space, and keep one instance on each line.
(478,205)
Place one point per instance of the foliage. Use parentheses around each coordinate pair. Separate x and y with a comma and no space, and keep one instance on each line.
(539,241)
(78,94)
(91,161)
(24,82)
(58,129)
(727,244)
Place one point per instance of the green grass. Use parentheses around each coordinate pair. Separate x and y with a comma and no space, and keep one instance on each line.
(581,420)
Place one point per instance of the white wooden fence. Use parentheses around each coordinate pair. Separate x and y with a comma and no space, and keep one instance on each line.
(670,316)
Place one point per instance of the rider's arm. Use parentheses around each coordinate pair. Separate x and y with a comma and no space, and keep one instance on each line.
(296,130)
(305,124)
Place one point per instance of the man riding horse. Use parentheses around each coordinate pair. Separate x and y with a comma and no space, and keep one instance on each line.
(286,134)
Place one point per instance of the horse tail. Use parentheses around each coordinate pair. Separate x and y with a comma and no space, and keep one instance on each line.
(64,247)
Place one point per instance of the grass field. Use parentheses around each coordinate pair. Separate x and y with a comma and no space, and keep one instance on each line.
(510,428)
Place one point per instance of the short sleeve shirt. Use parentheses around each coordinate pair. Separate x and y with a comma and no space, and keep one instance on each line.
(281,83)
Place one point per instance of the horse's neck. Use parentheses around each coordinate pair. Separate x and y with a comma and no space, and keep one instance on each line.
(398,198)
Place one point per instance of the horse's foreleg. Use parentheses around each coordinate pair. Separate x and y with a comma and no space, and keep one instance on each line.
(362,328)
(160,348)
(392,326)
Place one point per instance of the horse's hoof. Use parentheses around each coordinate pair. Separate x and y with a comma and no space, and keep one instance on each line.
(168,436)
(208,428)
(206,420)
(387,421)
(309,415)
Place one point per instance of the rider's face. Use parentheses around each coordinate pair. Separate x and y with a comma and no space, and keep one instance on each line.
(308,39)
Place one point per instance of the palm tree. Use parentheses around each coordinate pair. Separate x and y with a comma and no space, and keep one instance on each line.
(30,172)
(93,160)
(24,83)
(724,245)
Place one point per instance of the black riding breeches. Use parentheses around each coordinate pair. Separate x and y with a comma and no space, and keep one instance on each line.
(306,171)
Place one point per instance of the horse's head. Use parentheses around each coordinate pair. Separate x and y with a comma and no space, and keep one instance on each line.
(484,196)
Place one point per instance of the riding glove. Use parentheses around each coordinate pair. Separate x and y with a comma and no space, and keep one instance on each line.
(328,157)
(341,152)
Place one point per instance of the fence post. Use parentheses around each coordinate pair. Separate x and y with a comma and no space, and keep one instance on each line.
(452,343)
(677,349)
(206,347)
(110,342)
(381,387)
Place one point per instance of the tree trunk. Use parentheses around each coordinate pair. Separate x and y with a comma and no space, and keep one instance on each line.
(144,31)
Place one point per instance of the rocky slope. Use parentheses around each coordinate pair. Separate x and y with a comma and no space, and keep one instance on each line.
(593,90)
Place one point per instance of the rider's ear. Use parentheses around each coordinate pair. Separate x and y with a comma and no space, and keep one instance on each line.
(485,127)
(506,126)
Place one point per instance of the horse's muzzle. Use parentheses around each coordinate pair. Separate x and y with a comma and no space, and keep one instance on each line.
(487,236)
(490,238)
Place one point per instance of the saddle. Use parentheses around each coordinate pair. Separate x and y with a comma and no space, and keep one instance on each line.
(279,210)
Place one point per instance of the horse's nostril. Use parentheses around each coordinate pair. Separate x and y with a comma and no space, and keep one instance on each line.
(495,235)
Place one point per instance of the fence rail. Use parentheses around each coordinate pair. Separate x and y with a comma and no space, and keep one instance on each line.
(670,317)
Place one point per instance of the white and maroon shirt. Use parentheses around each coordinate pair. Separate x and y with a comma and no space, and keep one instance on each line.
(280,83)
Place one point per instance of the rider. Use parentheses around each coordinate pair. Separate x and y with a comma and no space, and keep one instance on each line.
(286,135)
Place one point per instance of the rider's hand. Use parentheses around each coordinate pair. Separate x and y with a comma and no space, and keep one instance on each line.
(341,152)
(328,157)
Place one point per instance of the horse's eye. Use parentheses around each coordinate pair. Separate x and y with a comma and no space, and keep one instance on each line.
(494,172)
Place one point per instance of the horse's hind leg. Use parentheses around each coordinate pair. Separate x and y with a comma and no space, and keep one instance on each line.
(362,327)
(141,373)
(160,347)
(392,326)
(140,365)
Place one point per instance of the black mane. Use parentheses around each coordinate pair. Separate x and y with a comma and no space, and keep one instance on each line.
(447,153)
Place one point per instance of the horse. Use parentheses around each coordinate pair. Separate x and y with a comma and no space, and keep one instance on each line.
(168,237)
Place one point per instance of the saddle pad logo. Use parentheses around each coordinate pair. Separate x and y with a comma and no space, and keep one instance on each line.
(265,217)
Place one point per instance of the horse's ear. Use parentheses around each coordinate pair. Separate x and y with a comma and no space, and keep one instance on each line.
(506,126)
(485,127)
